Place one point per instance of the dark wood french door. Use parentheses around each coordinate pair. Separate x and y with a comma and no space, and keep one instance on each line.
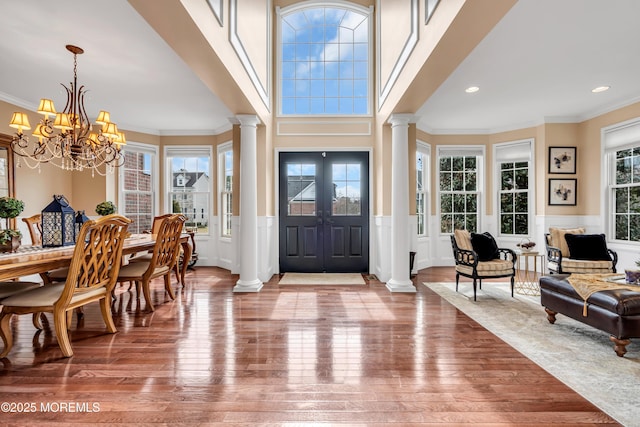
(324,212)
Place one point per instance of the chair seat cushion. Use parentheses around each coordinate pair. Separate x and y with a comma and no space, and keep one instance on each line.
(570,265)
(135,270)
(59,275)
(496,267)
(11,288)
(46,296)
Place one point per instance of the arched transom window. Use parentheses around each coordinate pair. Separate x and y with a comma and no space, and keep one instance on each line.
(324,68)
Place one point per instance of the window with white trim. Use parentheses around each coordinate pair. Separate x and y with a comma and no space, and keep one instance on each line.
(225,188)
(325,59)
(625,192)
(459,184)
(422,189)
(137,178)
(189,184)
(515,196)
(621,166)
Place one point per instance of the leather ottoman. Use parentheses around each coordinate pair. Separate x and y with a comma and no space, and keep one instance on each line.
(615,311)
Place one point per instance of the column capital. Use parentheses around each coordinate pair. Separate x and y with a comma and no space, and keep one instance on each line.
(246,120)
(401,119)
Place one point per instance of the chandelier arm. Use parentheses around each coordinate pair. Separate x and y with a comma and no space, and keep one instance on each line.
(74,147)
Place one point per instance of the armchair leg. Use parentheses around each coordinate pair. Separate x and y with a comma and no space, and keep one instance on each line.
(457,280)
(512,285)
(474,288)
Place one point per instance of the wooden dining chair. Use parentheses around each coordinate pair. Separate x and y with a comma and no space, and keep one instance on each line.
(146,256)
(93,271)
(34,225)
(162,260)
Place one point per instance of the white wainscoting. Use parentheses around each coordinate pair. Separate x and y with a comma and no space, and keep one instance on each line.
(267,248)
(228,248)
(206,245)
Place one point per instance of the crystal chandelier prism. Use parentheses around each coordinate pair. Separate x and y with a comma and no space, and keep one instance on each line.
(67,139)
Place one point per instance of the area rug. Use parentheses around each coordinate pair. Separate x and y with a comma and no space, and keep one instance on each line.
(322,279)
(578,355)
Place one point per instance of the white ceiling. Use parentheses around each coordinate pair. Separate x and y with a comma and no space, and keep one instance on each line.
(128,69)
(538,65)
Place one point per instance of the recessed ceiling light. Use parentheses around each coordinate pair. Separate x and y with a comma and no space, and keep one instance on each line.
(600,89)
(472,89)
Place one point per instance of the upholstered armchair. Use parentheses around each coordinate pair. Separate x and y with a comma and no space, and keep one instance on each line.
(478,257)
(570,250)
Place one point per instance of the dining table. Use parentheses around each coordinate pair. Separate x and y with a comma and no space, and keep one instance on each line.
(28,259)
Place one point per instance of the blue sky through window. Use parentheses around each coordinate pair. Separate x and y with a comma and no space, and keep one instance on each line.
(325,62)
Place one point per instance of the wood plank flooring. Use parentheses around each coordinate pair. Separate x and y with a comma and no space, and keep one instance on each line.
(326,355)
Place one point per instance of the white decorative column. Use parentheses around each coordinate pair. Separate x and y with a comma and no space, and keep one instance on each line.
(400,280)
(248,281)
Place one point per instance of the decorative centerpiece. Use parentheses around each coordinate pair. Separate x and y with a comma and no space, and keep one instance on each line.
(105,208)
(58,223)
(633,276)
(10,240)
(526,245)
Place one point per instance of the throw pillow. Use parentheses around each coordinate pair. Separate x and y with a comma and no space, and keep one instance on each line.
(463,239)
(558,240)
(592,247)
(485,246)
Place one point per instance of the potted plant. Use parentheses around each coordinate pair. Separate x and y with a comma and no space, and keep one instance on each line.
(10,240)
(105,208)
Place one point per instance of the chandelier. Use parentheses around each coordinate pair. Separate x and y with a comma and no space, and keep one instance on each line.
(67,139)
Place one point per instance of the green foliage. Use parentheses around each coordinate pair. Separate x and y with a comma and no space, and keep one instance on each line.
(105,208)
(7,235)
(10,207)
(176,207)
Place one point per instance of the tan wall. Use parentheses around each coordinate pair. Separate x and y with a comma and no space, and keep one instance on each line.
(253,32)
(395,29)
(588,155)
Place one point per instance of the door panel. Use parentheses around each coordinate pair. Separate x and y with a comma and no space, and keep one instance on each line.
(324,212)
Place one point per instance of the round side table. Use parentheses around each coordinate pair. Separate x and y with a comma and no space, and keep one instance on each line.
(527,279)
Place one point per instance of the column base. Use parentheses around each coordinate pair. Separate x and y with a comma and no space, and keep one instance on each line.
(248,286)
(401,286)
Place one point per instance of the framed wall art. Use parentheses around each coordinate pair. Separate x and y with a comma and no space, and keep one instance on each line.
(562,192)
(562,159)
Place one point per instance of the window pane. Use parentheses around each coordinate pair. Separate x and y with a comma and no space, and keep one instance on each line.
(190,190)
(458,191)
(318,44)
(514,198)
(347,189)
(301,189)
(137,193)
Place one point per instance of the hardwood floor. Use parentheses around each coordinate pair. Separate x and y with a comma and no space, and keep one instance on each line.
(288,355)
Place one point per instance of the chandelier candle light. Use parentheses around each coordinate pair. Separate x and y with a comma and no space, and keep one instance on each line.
(75,146)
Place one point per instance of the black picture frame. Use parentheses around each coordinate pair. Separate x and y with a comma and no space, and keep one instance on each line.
(429,7)
(563,192)
(562,160)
